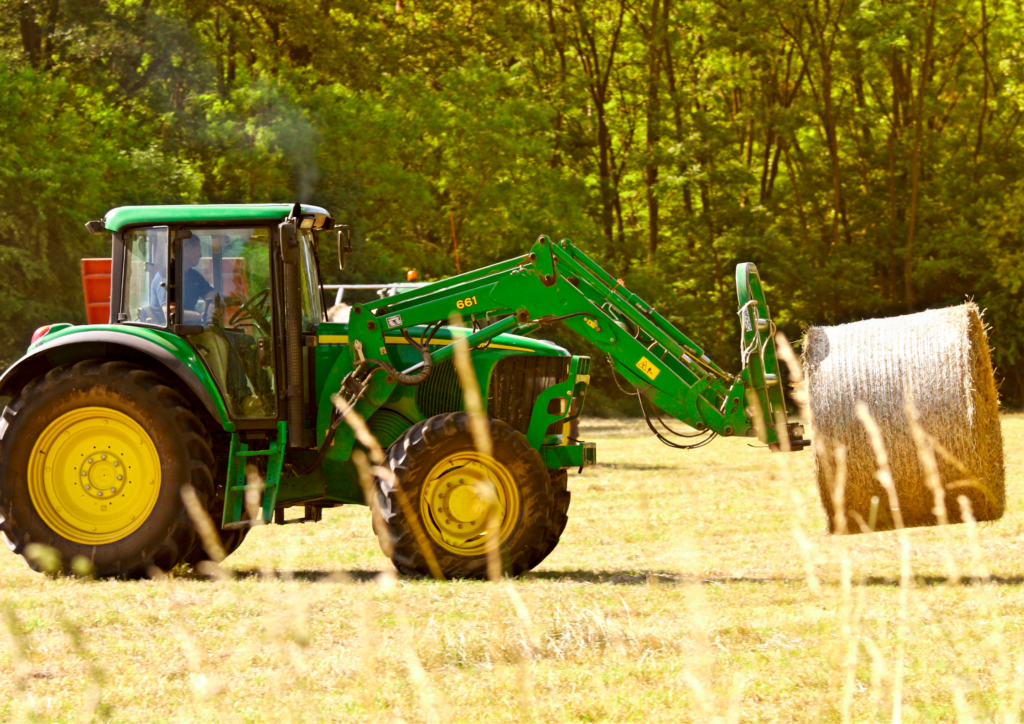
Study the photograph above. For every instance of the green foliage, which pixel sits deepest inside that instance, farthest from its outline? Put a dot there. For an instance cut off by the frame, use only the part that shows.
(867, 156)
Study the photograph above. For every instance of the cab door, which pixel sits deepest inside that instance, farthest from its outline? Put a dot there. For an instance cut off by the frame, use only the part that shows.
(225, 289)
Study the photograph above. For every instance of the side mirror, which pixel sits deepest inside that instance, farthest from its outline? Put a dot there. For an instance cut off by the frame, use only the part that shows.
(344, 243)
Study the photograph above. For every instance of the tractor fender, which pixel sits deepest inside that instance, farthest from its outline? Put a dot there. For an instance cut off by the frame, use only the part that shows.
(161, 351)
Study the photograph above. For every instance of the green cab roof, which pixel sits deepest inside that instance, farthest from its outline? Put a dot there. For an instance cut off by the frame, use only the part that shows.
(122, 216)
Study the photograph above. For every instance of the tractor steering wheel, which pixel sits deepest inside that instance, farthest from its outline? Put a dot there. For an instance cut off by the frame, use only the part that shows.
(253, 309)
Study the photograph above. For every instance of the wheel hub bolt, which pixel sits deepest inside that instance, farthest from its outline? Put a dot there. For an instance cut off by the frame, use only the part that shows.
(118, 477)
(113, 490)
(90, 459)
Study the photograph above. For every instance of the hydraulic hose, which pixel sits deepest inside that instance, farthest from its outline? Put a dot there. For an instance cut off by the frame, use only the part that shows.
(401, 377)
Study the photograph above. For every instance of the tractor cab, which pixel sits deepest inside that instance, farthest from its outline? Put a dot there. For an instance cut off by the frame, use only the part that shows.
(245, 295)
(217, 281)
(214, 286)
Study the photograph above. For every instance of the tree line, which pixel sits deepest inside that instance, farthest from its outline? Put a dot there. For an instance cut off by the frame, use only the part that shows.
(868, 156)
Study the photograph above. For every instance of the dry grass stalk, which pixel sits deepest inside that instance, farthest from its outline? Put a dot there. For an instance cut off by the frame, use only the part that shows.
(92, 701)
(964, 714)
(926, 456)
(698, 669)
(980, 572)
(839, 491)
(471, 391)
(366, 474)
(884, 476)
(850, 640)
(362, 432)
(796, 375)
(204, 685)
(203, 523)
(524, 653)
(493, 542)
(798, 518)
(850, 614)
(940, 360)
(21, 653)
(1011, 677)
(479, 427)
(735, 700)
(879, 670)
(432, 706)
(420, 535)
(370, 442)
(902, 629)
(369, 645)
(255, 484)
(883, 473)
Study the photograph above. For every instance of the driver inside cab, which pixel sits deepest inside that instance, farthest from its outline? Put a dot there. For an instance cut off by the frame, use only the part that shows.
(194, 286)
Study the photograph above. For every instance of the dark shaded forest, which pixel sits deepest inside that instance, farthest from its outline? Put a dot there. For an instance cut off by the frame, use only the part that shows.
(869, 156)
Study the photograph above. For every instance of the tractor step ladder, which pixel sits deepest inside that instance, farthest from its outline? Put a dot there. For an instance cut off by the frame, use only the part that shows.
(236, 484)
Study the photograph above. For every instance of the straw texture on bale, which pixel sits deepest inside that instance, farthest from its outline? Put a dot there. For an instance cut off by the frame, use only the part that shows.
(940, 361)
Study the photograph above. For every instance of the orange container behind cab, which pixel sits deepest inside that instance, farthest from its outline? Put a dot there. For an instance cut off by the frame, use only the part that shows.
(96, 287)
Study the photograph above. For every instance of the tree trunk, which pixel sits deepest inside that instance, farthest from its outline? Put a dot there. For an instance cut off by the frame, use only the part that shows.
(31, 34)
(653, 128)
(915, 160)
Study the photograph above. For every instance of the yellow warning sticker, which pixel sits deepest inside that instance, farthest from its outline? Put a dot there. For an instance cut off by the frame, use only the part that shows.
(647, 367)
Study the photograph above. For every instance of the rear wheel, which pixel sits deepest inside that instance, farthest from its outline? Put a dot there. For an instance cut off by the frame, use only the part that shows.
(446, 502)
(93, 457)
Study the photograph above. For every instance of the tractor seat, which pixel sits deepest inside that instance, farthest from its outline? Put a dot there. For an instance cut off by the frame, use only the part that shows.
(150, 315)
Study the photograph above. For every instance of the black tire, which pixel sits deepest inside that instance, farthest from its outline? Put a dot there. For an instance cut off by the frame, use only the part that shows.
(230, 540)
(178, 435)
(560, 499)
(413, 456)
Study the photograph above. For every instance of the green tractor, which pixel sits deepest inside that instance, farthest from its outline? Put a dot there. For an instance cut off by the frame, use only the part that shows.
(219, 371)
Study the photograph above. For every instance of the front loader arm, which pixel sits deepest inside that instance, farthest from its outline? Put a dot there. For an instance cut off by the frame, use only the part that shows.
(561, 283)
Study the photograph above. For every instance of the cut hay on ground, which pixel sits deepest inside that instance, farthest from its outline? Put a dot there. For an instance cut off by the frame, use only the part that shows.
(939, 361)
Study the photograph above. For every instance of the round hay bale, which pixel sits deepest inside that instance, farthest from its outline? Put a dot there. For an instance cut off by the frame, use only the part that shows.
(938, 361)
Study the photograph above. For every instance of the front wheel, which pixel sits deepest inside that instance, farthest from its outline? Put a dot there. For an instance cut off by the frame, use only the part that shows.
(93, 457)
(445, 502)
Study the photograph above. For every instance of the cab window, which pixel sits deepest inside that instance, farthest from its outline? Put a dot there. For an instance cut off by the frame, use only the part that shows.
(225, 286)
(144, 291)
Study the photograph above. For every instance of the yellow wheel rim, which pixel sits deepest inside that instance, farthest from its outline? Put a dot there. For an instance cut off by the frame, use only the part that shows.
(94, 475)
(467, 499)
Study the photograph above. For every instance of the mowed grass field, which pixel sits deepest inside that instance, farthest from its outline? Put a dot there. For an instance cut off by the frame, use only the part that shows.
(689, 586)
